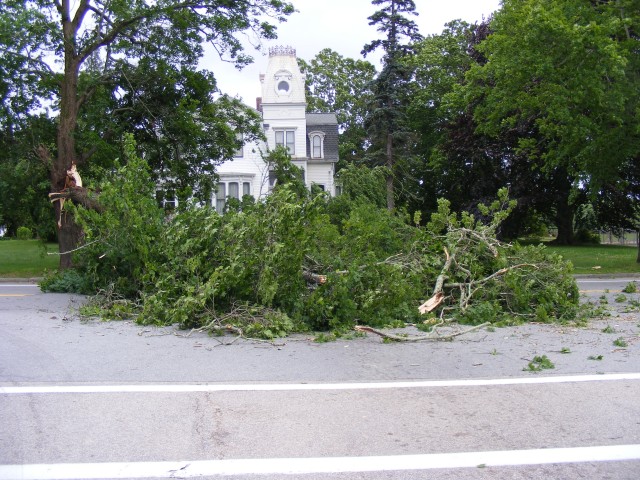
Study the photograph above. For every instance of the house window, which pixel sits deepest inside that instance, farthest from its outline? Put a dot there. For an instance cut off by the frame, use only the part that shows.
(286, 138)
(283, 86)
(317, 147)
(317, 144)
(221, 197)
(240, 151)
(232, 186)
(233, 190)
(167, 200)
(273, 180)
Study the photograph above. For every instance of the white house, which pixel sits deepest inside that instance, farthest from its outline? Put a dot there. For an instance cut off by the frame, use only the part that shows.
(312, 138)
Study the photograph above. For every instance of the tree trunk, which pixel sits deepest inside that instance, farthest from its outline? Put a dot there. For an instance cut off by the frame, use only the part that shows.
(68, 232)
(68, 238)
(391, 202)
(564, 220)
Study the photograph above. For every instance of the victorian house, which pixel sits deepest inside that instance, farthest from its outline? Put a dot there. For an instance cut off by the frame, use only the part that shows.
(311, 138)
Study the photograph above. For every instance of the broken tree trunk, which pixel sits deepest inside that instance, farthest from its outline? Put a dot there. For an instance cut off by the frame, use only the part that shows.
(438, 297)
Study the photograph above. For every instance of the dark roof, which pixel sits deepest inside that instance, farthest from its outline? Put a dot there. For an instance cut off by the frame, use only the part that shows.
(321, 119)
(326, 123)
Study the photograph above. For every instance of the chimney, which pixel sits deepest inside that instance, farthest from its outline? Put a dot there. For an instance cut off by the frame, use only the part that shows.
(259, 104)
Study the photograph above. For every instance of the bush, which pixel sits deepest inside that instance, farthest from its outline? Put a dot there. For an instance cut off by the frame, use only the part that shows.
(585, 236)
(24, 233)
(67, 281)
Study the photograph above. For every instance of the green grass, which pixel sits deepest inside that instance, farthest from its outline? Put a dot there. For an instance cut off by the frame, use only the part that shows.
(610, 258)
(26, 258)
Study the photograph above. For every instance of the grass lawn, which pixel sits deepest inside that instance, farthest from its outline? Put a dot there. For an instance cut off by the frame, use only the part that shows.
(26, 258)
(610, 258)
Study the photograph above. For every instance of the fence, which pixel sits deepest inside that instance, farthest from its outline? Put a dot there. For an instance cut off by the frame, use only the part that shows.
(626, 237)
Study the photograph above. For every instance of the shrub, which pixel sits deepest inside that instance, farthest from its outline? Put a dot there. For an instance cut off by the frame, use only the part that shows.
(24, 233)
(66, 281)
(587, 237)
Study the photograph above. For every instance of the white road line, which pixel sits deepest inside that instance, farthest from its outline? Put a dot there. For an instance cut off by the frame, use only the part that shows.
(188, 388)
(300, 466)
(19, 285)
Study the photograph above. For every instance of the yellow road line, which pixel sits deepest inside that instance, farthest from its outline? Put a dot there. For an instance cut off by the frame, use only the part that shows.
(16, 294)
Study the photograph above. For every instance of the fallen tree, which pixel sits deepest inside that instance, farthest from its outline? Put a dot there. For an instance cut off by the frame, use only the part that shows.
(296, 262)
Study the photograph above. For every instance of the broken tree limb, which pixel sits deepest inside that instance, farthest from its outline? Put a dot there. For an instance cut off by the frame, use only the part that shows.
(468, 289)
(502, 271)
(419, 338)
(314, 277)
(438, 297)
(80, 196)
(75, 249)
(432, 303)
(443, 273)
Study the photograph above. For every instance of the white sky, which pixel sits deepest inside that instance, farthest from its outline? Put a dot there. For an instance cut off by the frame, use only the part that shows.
(342, 26)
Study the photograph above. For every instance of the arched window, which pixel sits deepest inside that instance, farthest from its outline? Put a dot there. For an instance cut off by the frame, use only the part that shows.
(317, 144)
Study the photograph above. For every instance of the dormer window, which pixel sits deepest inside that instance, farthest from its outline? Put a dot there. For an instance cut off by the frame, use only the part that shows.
(317, 144)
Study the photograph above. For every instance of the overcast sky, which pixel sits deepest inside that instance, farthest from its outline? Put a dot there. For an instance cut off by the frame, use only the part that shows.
(341, 25)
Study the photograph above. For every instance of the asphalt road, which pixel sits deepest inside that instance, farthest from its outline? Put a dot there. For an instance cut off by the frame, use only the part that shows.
(116, 400)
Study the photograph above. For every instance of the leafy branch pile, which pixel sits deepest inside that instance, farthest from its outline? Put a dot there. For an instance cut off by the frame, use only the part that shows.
(295, 261)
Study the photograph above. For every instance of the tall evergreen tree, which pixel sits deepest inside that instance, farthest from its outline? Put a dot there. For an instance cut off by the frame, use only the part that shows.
(386, 122)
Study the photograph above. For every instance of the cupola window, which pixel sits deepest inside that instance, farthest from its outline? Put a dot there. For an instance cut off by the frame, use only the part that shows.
(283, 87)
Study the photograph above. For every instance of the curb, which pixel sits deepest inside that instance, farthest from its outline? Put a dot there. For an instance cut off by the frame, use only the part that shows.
(20, 280)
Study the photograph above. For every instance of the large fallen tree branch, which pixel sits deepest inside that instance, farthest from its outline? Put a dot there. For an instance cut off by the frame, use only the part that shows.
(468, 289)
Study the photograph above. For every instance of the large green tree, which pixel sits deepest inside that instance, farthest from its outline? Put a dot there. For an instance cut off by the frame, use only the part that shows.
(457, 161)
(386, 121)
(562, 77)
(62, 53)
(183, 131)
(342, 85)
(439, 64)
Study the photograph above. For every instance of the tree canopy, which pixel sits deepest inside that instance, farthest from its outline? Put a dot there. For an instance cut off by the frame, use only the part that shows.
(75, 60)
(342, 85)
(561, 78)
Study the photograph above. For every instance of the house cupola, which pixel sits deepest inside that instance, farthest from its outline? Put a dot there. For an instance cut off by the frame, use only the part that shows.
(283, 82)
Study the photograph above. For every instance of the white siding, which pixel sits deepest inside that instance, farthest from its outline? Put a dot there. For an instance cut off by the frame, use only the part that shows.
(321, 174)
